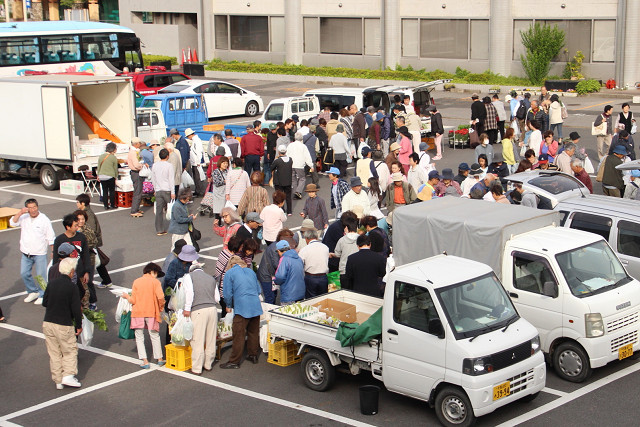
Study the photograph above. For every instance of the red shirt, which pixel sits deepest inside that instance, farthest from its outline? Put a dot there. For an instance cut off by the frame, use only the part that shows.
(251, 144)
(584, 177)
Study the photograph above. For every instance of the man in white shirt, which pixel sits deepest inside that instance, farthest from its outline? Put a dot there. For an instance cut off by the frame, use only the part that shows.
(315, 256)
(196, 159)
(425, 159)
(356, 197)
(215, 142)
(35, 235)
(300, 157)
(163, 179)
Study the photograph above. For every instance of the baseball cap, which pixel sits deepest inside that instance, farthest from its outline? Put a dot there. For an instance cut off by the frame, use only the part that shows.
(174, 131)
(66, 249)
(335, 171)
(282, 245)
(253, 216)
(463, 167)
(543, 158)
(250, 126)
(282, 149)
(434, 174)
(273, 126)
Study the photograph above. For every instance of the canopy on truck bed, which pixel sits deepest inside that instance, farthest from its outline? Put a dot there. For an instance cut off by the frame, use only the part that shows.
(473, 229)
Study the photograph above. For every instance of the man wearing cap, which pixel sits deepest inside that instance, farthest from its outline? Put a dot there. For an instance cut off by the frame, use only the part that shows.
(250, 228)
(612, 182)
(270, 152)
(64, 251)
(447, 186)
(475, 172)
(315, 208)
(578, 171)
(315, 257)
(394, 151)
(543, 163)
(339, 188)
(563, 160)
(400, 192)
(300, 158)
(182, 146)
(79, 242)
(356, 197)
(197, 159)
(290, 274)
(499, 168)
(252, 148)
(364, 167)
(463, 172)
(133, 161)
(478, 113)
(365, 269)
(623, 138)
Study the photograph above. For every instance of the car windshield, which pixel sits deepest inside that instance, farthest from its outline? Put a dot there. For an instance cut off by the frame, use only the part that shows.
(148, 103)
(592, 269)
(477, 306)
(173, 89)
(556, 183)
(274, 113)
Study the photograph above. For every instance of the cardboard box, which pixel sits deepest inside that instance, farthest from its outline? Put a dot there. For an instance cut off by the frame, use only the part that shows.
(339, 310)
(71, 187)
(213, 128)
(362, 317)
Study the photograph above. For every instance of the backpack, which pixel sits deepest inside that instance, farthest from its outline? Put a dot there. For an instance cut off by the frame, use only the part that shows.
(521, 112)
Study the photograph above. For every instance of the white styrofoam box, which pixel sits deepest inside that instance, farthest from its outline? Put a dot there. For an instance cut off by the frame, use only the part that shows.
(91, 149)
(124, 172)
(71, 187)
(122, 148)
(124, 185)
(636, 99)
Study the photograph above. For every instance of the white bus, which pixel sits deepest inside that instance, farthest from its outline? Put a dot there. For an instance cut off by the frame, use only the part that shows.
(67, 47)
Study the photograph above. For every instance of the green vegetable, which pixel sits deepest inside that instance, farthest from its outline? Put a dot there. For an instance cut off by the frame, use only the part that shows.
(97, 318)
(41, 282)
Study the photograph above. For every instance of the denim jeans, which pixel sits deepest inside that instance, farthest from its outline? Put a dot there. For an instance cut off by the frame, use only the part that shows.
(269, 294)
(26, 266)
(266, 170)
(251, 163)
(557, 130)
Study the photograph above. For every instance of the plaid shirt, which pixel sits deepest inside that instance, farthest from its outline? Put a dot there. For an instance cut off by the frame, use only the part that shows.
(316, 210)
(491, 121)
(343, 188)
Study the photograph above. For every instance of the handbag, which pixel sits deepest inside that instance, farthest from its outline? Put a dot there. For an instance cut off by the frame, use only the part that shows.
(125, 332)
(601, 169)
(564, 113)
(104, 259)
(329, 157)
(208, 198)
(474, 138)
(600, 130)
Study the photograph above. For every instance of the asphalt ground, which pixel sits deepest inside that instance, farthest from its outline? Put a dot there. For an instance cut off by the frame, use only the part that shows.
(113, 387)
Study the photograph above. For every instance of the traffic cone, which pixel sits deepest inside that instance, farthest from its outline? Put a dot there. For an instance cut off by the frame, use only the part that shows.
(189, 54)
(195, 55)
(183, 59)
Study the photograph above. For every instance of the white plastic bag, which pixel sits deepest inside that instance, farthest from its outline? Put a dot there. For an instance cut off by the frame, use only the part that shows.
(588, 166)
(97, 264)
(264, 337)
(169, 209)
(186, 181)
(230, 204)
(634, 128)
(145, 172)
(177, 332)
(187, 330)
(87, 331)
(179, 298)
(228, 319)
(124, 306)
(515, 127)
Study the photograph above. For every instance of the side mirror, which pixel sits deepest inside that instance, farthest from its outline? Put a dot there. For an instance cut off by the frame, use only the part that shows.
(550, 289)
(435, 328)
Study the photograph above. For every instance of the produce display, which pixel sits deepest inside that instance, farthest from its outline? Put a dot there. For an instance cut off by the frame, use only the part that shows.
(301, 311)
(224, 330)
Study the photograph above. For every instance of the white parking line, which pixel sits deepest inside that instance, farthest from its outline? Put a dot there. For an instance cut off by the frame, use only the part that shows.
(571, 396)
(215, 258)
(13, 295)
(16, 185)
(60, 220)
(73, 395)
(9, 424)
(38, 196)
(554, 391)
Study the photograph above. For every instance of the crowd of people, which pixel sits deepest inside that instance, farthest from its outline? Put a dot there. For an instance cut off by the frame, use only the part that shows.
(393, 168)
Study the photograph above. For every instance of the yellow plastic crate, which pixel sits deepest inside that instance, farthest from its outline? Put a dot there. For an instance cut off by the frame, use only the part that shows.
(4, 223)
(283, 353)
(178, 358)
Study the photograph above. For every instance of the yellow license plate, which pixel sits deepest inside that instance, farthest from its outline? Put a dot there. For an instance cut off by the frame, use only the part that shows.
(623, 352)
(502, 390)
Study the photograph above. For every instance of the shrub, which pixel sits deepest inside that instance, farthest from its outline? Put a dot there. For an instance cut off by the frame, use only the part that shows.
(148, 59)
(573, 69)
(542, 44)
(588, 86)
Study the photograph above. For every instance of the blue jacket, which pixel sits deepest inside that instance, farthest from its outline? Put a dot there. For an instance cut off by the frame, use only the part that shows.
(180, 218)
(241, 292)
(290, 277)
(183, 147)
(175, 271)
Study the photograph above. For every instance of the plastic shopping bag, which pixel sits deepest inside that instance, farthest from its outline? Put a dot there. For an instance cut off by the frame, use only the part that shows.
(87, 331)
(125, 332)
(186, 181)
(264, 337)
(124, 306)
(588, 166)
(230, 204)
(177, 332)
(178, 298)
(169, 209)
(515, 127)
(188, 329)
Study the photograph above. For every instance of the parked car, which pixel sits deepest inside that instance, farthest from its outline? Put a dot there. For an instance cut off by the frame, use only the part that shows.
(280, 109)
(551, 187)
(420, 93)
(613, 218)
(150, 81)
(222, 98)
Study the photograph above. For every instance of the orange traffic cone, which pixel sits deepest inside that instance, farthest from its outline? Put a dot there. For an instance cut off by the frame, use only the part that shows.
(195, 55)
(183, 59)
(189, 54)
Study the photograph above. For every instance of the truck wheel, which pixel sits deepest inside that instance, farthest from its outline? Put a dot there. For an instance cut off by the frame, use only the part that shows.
(252, 109)
(530, 397)
(453, 408)
(317, 371)
(571, 362)
(49, 178)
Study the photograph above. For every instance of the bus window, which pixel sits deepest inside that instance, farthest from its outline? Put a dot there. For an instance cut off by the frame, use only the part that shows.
(19, 50)
(60, 48)
(100, 46)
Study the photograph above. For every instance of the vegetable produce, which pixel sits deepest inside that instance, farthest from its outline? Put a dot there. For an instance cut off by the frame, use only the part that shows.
(97, 318)
(41, 282)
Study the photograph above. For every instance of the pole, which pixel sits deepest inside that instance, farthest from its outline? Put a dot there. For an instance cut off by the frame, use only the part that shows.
(24, 10)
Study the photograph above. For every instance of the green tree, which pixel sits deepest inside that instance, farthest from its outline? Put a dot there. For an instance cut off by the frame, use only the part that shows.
(542, 44)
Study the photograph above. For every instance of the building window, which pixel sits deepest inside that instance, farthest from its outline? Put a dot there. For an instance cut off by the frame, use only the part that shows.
(577, 37)
(479, 40)
(277, 33)
(604, 41)
(372, 36)
(444, 38)
(311, 33)
(410, 37)
(518, 47)
(249, 33)
(341, 36)
(222, 32)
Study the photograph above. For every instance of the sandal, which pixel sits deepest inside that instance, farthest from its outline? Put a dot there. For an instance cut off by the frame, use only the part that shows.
(137, 215)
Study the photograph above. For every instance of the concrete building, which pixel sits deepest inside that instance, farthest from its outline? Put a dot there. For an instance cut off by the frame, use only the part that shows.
(473, 34)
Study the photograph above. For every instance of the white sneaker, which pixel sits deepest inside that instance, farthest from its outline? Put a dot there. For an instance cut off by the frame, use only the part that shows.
(38, 301)
(70, 381)
(32, 297)
(59, 386)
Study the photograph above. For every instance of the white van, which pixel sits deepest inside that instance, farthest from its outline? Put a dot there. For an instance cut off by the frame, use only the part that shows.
(280, 109)
(419, 93)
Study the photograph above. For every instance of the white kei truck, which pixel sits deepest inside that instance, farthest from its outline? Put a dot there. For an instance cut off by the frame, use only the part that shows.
(568, 283)
(450, 337)
(55, 124)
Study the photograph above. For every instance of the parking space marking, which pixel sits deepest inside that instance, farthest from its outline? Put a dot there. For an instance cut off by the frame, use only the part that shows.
(60, 219)
(17, 185)
(73, 395)
(595, 105)
(267, 398)
(215, 258)
(555, 392)
(13, 295)
(571, 396)
(38, 195)
(9, 424)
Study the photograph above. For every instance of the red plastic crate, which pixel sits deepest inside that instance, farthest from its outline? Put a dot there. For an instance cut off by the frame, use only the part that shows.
(124, 200)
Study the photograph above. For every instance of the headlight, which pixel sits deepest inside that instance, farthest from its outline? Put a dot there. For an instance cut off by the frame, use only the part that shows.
(593, 324)
(477, 366)
(535, 344)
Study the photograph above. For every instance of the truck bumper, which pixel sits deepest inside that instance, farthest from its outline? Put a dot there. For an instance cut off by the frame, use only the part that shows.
(604, 349)
(525, 378)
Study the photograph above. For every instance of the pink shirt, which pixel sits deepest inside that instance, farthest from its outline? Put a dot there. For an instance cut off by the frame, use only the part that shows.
(273, 217)
(405, 150)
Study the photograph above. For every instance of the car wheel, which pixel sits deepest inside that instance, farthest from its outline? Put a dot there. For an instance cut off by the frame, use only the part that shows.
(571, 362)
(453, 408)
(317, 371)
(252, 109)
(49, 178)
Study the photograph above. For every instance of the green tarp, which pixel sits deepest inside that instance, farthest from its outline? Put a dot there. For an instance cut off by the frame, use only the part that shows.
(351, 334)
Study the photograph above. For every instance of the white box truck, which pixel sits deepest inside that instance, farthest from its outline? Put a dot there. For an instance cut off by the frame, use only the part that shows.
(568, 283)
(450, 337)
(50, 123)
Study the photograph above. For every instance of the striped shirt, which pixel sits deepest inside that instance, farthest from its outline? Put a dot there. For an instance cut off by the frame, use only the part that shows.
(254, 199)
(237, 182)
(347, 122)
